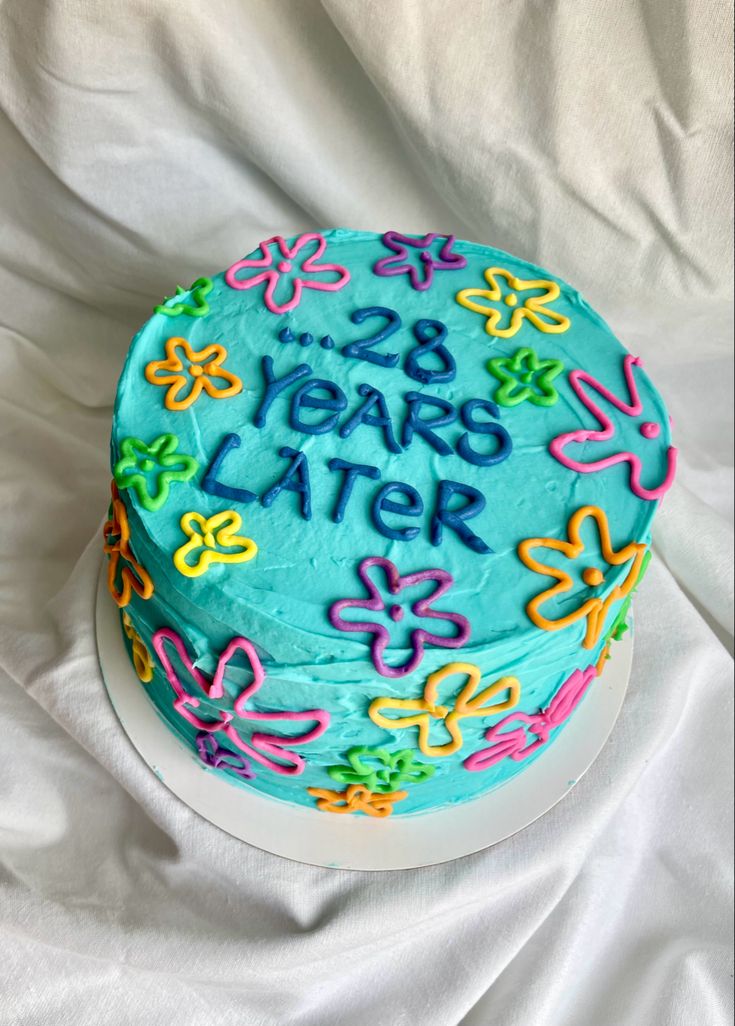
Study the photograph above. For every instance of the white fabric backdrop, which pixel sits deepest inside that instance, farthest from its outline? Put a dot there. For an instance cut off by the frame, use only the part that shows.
(145, 142)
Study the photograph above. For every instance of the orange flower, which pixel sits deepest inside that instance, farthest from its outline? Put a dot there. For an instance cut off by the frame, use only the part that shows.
(117, 547)
(602, 661)
(356, 799)
(595, 608)
(194, 370)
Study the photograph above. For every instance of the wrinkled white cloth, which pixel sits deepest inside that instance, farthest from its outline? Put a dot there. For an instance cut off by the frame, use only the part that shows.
(144, 143)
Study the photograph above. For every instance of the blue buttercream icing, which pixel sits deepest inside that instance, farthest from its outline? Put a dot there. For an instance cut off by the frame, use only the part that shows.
(392, 380)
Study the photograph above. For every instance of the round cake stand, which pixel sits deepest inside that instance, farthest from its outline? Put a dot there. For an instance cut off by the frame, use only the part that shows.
(359, 842)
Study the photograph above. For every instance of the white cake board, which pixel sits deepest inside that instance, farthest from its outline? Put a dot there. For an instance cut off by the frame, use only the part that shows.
(359, 842)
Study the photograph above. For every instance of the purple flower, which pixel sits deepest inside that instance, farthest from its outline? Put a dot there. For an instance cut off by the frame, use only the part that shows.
(212, 754)
(422, 276)
(420, 608)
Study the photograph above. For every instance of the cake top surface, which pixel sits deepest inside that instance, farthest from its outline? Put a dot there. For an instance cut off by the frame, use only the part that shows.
(373, 408)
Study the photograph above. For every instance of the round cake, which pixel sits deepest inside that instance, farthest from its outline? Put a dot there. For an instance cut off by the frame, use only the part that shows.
(379, 507)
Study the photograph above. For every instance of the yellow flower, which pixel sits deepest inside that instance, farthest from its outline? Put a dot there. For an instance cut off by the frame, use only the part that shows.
(534, 308)
(466, 703)
(212, 536)
(141, 656)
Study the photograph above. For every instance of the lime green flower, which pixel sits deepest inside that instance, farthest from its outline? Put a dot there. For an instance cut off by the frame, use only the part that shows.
(150, 469)
(524, 377)
(198, 306)
(392, 769)
(620, 625)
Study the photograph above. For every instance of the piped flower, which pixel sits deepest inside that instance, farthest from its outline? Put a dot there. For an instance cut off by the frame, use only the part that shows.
(524, 376)
(141, 656)
(504, 288)
(189, 372)
(420, 637)
(533, 730)
(584, 385)
(214, 540)
(379, 770)
(121, 560)
(223, 715)
(139, 463)
(356, 799)
(198, 307)
(468, 702)
(619, 626)
(595, 608)
(212, 754)
(276, 266)
(421, 275)
(620, 623)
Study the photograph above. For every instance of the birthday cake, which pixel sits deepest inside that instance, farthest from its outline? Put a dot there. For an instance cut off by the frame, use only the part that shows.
(379, 507)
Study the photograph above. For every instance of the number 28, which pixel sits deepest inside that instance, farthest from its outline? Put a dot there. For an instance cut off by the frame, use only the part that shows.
(430, 337)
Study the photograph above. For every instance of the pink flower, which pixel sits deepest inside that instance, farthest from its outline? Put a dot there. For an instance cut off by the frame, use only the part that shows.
(420, 608)
(517, 744)
(276, 265)
(261, 747)
(585, 387)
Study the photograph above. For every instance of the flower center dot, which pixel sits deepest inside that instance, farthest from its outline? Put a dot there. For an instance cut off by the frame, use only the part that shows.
(650, 429)
(511, 300)
(284, 267)
(147, 465)
(593, 577)
(396, 613)
(196, 371)
(426, 257)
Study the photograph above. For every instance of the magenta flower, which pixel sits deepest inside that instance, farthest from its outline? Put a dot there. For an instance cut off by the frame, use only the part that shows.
(278, 266)
(226, 716)
(517, 744)
(420, 608)
(585, 386)
(422, 276)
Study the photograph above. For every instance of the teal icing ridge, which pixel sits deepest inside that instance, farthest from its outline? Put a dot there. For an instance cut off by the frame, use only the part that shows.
(280, 599)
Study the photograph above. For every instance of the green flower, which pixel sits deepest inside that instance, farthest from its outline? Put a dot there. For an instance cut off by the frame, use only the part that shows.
(620, 624)
(199, 306)
(158, 462)
(392, 769)
(523, 376)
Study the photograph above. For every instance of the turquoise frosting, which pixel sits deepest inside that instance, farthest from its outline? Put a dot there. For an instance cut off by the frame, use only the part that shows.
(280, 599)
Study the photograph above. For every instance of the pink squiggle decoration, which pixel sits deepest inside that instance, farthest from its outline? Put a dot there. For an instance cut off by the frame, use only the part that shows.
(515, 744)
(422, 607)
(270, 274)
(263, 746)
(579, 378)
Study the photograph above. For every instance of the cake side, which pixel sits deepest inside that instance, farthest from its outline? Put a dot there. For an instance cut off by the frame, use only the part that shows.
(553, 442)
